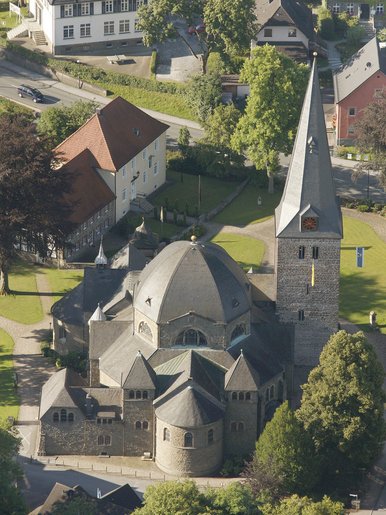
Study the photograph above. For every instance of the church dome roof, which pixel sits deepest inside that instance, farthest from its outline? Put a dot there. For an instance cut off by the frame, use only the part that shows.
(190, 277)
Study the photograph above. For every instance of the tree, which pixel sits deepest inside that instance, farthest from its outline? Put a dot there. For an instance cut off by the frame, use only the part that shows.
(183, 140)
(235, 499)
(203, 95)
(342, 405)
(230, 25)
(30, 192)
(296, 505)
(287, 451)
(77, 505)
(268, 127)
(11, 499)
(58, 123)
(370, 136)
(221, 124)
(173, 497)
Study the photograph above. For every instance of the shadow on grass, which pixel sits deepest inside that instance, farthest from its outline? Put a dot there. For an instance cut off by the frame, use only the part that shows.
(41, 294)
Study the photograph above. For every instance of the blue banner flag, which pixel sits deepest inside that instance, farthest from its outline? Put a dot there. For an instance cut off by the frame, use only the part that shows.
(360, 257)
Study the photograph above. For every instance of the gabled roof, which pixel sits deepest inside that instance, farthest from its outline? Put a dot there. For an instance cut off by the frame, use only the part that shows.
(129, 257)
(370, 59)
(56, 392)
(285, 12)
(123, 496)
(242, 376)
(309, 184)
(114, 135)
(141, 375)
(189, 407)
(89, 192)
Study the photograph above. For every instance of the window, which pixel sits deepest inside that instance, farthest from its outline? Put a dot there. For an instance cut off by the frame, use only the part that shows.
(71, 417)
(124, 5)
(234, 396)
(131, 394)
(138, 425)
(85, 9)
(144, 177)
(166, 435)
(108, 28)
(144, 329)
(123, 171)
(351, 129)
(109, 6)
(301, 252)
(352, 111)
(191, 337)
(379, 8)
(144, 153)
(301, 315)
(107, 440)
(239, 330)
(137, 27)
(156, 144)
(188, 440)
(241, 396)
(155, 169)
(68, 10)
(101, 440)
(237, 426)
(145, 394)
(133, 163)
(267, 33)
(336, 8)
(378, 93)
(248, 396)
(350, 8)
(85, 30)
(145, 425)
(210, 436)
(124, 194)
(315, 252)
(150, 161)
(292, 33)
(68, 33)
(272, 392)
(63, 415)
(138, 394)
(240, 426)
(124, 26)
(55, 417)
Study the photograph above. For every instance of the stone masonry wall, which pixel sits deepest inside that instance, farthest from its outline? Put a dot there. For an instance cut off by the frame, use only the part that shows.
(241, 443)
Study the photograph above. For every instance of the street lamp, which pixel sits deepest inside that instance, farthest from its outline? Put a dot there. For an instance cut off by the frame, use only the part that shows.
(79, 85)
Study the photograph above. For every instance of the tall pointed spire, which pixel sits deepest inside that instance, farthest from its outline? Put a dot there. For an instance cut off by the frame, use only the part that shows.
(101, 259)
(309, 205)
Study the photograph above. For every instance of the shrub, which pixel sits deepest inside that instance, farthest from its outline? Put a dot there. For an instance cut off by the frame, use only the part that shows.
(326, 26)
(381, 35)
(363, 208)
(215, 64)
(153, 63)
(233, 466)
(325, 78)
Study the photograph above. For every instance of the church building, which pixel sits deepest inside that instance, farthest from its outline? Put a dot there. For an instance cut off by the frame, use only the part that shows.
(188, 356)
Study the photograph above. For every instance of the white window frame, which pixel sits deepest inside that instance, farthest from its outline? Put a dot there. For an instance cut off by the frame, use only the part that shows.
(85, 28)
(292, 32)
(379, 8)
(156, 144)
(144, 177)
(336, 8)
(109, 6)
(144, 153)
(265, 33)
(124, 6)
(350, 8)
(85, 9)
(68, 32)
(68, 10)
(124, 26)
(124, 171)
(108, 28)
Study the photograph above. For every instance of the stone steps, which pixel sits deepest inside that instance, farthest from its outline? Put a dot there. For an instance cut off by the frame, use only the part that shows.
(39, 37)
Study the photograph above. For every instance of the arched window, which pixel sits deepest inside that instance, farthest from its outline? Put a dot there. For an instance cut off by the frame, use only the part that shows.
(71, 417)
(145, 424)
(234, 396)
(138, 394)
(210, 436)
(55, 417)
(233, 427)
(138, 425)
(131, 394)
(166, 435)
(101, 440)
(144, 329)
(144, 394)
(240, 426)
(241, 396)
(248, 396)
(107, 440)
(239, 330)
(188, 440)
(272, 392)
(63, 415)
(191, 337)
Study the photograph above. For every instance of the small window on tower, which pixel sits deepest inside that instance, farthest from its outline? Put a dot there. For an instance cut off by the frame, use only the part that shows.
(301, 252)
(301, 315)
(315, 252)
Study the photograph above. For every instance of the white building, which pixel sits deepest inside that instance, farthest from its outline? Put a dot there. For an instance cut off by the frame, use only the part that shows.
(81, 26)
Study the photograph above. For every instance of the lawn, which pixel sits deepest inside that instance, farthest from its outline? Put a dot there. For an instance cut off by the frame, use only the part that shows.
(243, 249)
(7, 106)
(61, 281)
(362, 289)
(9, 400)
(181, 194)
(244, 209)
(23, 304)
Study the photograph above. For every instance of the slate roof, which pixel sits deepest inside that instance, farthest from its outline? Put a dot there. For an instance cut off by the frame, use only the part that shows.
(370, 59)
(242, 376)
(123, 496)
(129, 257)
(285, 12)
(192, 278)
(114, 135)
(189, 407)
(141, 375)
(89, 192)
(309, 188)
(144, 238)
(56, 392)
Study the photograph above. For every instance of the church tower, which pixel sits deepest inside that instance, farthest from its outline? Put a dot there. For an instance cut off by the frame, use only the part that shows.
(308, 226)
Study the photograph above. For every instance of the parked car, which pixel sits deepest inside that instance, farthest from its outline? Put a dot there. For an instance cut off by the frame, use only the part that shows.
(196, 29)
(29, 91)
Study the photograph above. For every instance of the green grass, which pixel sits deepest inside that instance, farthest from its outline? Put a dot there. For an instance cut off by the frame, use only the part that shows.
(23, 304)
(244, 209)
(362, 289)
(213, 191)
(7, 21)
(167, 103)
(245, 250)
(9, 400)
(7, 106)
(61, 281)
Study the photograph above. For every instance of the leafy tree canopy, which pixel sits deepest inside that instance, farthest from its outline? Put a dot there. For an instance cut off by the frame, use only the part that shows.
(58, 123)
(77, 505)
(342, 405)
(221, 124)
(203, 95)
(296, 505)
(30, 192)
(235, 499)
(268, 126)
(287, 451)
(11, 499)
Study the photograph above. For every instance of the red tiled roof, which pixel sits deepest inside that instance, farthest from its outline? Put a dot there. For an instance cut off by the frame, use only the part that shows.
(89, 192)
(114, 135)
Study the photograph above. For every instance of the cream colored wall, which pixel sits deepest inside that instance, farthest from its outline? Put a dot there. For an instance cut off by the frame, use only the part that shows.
(281, 34)
(152, 182)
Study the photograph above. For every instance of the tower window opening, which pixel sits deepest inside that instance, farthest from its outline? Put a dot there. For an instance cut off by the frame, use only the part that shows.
(301, 315)
(188, 440)
(301, 252)
(315, 252)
